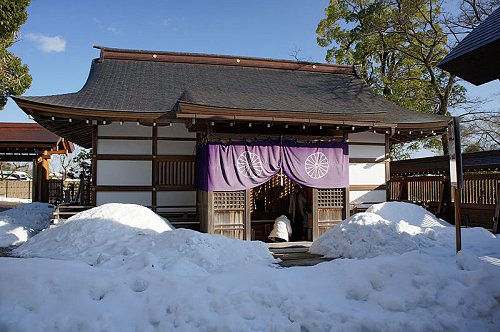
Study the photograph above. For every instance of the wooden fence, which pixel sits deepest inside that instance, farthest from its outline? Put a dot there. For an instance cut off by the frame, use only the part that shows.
(479, 197)
(57, 192)
(15, 189)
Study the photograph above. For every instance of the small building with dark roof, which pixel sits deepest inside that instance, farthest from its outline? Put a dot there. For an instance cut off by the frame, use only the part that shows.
(475, 58)
(148, 115)
(25, 142)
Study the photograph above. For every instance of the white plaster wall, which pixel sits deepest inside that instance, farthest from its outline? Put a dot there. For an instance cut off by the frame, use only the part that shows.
(176, 148)
(127, 129)
(124, 172)
(176, 198)
(175, 130)
(140, 197)
(366, 151)
(367, 173)
(359, 197)
(367, 137)
(106, 146)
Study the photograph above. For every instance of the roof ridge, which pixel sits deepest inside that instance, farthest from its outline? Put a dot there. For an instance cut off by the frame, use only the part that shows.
(222, 60)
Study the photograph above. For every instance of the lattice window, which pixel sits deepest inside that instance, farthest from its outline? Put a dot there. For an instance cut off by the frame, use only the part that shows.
(330, 198)
(229, 200)
(176, 172)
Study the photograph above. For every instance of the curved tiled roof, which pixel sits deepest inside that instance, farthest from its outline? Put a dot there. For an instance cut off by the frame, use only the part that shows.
(155, 83)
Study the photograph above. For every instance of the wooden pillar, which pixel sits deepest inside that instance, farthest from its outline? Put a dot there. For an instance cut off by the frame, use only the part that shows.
(34, 181)
(154, 169)
(41, 180)
(497, 210)
(248, 218)
(458, 218)
(94, 165)
(315, 214)
(347, 205)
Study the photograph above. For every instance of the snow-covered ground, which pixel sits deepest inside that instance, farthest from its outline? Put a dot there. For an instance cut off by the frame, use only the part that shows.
(17, 225)
(14, 200)
(122, 268)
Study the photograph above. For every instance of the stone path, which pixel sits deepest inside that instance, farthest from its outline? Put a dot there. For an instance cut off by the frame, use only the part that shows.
(295, 254)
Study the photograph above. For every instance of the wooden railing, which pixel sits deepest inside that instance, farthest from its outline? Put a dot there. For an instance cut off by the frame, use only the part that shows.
(480, 189)
(479, 196)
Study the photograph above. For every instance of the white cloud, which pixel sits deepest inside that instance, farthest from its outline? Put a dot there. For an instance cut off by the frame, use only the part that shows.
(48, 43)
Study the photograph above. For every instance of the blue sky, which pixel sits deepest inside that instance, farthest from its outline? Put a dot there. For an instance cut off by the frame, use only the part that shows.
(58, 36)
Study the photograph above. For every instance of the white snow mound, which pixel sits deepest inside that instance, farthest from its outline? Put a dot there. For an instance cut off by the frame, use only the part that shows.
(89, 233)
(17, 225)
(412, 214)
(363, 235)
(133, 237)
(386, 228)
(132, 215)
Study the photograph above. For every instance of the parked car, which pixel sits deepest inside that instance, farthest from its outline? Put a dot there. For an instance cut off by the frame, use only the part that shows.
(20, 176)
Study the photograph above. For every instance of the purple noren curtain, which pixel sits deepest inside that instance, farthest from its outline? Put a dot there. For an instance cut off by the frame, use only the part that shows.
(317, 165)
(243, 165)
(236, 165)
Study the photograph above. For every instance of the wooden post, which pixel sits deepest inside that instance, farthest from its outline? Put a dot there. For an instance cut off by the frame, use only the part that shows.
(248, 221)
(440, 208)
(458, 229)
(456, 175)
(154, 169)
(94, 165)
(497, 210)
(210, 212)
(315, 213)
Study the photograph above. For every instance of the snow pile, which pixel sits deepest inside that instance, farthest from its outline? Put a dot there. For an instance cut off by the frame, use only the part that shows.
(102, 230)
(392, 228)
(408, 292)
(142, 279)
(412, 218)
(132, 236)
(17, 225)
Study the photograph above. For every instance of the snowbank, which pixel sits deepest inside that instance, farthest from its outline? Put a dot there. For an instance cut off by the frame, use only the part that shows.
(17, 225)
(394, 228)
(133, 236)
(408, 292)
(102, 230)
(144, 280)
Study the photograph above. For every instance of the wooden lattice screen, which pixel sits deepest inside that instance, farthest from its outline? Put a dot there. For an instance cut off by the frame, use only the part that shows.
(330, 206)
(176, 173)
(56, 191)
(229, 213)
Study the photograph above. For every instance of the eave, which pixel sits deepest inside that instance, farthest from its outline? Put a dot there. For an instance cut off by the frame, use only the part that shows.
(75, 124)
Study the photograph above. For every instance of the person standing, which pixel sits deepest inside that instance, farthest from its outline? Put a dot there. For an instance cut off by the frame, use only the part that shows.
(297, 212)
